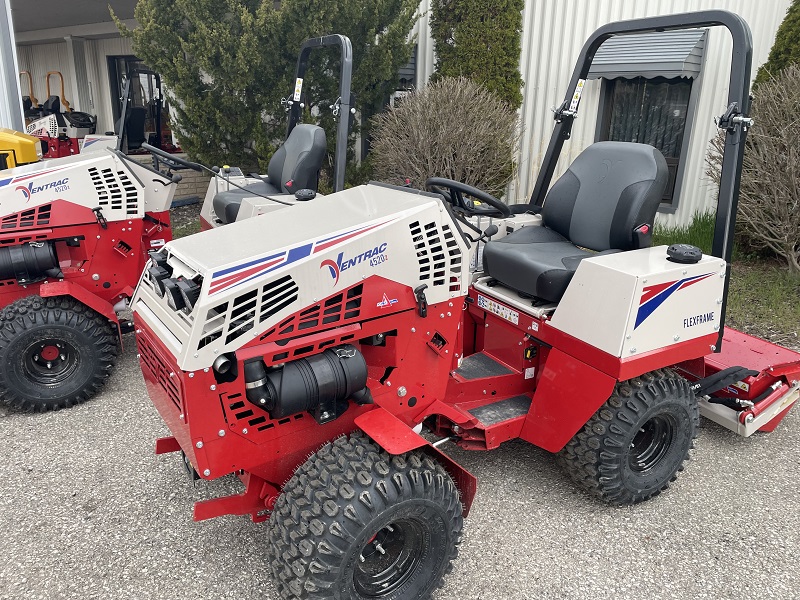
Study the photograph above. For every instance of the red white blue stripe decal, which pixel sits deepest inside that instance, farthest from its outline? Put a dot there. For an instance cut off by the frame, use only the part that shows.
(654, 296)
(5, 182)
(231, 277)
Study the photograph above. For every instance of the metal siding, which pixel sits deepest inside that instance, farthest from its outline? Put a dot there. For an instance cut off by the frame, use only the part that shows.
(580, 19)
(97, 53)
(41, 58)
(553, 33)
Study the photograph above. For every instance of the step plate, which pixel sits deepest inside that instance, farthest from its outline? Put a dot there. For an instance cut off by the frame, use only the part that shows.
(505, 410)
(480, 365)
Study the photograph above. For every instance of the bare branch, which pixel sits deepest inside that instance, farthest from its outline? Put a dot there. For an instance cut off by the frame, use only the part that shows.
(452, 128)
(769, 198)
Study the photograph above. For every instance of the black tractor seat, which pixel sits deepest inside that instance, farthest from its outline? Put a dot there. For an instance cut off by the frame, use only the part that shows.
(294, 166)
(606, 202)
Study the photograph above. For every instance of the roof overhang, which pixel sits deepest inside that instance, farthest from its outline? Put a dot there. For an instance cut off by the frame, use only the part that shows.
(667, 54)
(51, 20)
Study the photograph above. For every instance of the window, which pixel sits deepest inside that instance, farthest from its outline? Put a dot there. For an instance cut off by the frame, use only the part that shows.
(649, 111)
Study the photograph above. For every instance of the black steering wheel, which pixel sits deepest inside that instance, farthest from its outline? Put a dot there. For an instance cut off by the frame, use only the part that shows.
(454, 194)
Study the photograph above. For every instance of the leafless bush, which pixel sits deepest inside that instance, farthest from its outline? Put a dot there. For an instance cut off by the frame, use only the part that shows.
(769, 200)
(452, 128)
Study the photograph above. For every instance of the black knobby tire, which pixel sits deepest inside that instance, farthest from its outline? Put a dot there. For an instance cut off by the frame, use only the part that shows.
(638, 441)
(55, 353)
(354, 522)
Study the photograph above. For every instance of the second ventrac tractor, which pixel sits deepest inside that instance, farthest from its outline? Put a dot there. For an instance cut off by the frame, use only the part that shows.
(325, 353)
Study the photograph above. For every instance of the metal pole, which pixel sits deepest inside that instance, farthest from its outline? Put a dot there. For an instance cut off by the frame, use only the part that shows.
(10, 95)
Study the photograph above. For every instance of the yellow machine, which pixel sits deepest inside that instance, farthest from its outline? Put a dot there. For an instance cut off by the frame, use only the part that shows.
(17, 148)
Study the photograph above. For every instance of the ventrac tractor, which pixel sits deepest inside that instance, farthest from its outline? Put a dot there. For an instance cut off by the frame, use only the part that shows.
(74, 237)
(326, 352)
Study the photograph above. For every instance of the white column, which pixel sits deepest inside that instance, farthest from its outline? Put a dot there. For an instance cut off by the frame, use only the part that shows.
(78, 74)
(10, 96)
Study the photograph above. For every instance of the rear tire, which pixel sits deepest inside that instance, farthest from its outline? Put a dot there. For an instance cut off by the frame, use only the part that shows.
(55, 353)
(639, 440)
(356, 523)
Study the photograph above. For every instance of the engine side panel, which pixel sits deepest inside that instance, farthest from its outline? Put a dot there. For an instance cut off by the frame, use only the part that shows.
(248, 289)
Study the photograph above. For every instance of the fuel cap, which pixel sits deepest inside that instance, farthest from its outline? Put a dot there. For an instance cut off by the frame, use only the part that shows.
(685, 254)
(305, 194)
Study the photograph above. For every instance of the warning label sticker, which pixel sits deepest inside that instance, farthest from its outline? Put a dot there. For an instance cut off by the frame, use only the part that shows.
(498, 309)
(576, 97)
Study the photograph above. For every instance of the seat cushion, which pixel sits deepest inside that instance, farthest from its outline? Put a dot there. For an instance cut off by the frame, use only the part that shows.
(226, 204)
(534, 260)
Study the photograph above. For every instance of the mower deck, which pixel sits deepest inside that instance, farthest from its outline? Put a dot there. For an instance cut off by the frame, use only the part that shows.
(767, 397)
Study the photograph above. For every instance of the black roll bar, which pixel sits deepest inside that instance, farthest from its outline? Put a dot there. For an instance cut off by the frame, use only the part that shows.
(126, 98)
(734, 121)
(345, 102)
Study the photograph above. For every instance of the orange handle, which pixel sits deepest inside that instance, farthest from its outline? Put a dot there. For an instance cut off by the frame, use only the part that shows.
(34, 101)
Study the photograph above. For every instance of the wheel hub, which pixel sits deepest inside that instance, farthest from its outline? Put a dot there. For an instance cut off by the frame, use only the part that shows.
(49, 361)
(651, 443)
(389, 559)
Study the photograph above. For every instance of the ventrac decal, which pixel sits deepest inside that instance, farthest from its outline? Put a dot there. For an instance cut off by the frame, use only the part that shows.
(28, 189)
(654, 296)
(231, 277)
(62, 185)
(374, 256)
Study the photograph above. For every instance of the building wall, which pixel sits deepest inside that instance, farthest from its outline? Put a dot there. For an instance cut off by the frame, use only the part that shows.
(553, 33)
(41, 58)
(97, 53)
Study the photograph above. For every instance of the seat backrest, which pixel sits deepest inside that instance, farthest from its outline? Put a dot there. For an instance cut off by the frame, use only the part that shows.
(134, 126)
(52, 105)
(609, 191)
(298, 161)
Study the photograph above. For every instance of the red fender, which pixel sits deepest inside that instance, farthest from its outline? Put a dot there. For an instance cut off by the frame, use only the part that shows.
(82, 295)
(394, 436)
(568, 394)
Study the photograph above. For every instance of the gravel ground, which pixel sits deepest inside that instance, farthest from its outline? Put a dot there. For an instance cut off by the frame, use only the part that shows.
(88, 511)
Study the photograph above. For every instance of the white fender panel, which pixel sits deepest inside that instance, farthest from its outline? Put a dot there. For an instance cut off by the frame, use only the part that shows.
(633, 302)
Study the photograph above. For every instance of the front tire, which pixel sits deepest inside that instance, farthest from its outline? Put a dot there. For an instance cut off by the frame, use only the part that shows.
(356, 523)
(637, 442)
(55, 353)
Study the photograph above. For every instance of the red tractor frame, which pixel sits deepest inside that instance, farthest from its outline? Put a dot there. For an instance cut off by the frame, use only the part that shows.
(319, 413)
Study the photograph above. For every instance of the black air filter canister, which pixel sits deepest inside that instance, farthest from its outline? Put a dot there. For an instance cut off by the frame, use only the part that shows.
(29, 262)
(321, 383)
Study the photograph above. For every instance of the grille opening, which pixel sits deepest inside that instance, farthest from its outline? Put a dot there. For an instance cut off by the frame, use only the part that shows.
(253, 416)
(337, 308)
(115, 190)
(160, 372)
(233, 318)
(31, 217)
(438, 254)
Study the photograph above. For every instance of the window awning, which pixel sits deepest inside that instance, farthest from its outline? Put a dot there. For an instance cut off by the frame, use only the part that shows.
(665, 54)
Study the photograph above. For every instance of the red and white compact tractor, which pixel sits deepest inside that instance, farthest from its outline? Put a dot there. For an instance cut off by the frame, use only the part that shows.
(63, 133)
(325, 354)
(293, 172)
(74, 237)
